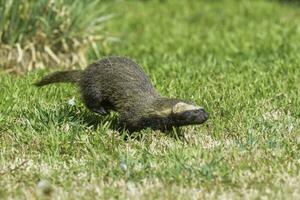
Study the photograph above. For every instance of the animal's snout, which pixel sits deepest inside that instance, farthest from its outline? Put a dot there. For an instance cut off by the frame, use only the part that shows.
(201, 114)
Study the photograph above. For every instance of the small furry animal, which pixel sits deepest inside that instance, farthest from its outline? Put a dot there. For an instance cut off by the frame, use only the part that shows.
(119, 84)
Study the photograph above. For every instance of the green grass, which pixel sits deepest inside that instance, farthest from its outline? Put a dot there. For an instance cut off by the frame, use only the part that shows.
(238, 59)
(36, 34)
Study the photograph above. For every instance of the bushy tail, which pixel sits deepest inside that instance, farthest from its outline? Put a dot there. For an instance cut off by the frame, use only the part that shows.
(72, 76)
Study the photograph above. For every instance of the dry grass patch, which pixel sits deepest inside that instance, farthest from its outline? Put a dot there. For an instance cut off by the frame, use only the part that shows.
(47, 33)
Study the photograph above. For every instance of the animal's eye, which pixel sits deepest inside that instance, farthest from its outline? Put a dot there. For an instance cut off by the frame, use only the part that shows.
(197, 111)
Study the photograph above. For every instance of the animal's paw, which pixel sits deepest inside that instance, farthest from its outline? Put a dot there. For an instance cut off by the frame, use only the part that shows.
(100, 111)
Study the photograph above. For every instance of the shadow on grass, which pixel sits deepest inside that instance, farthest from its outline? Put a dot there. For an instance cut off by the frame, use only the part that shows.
(92, 119)
(290, 2)
(176, 134)
(95, 121)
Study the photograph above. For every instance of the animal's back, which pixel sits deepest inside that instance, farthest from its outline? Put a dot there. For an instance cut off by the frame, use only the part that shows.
(116, 83)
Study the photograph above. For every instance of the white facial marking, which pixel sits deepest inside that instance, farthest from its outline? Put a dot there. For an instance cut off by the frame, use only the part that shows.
(181, 107)
(165, 112)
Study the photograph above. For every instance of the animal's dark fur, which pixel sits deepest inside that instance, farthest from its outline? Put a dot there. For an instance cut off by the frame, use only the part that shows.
(119, 84)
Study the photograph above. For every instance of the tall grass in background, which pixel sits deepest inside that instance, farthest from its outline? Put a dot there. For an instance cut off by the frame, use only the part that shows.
(36, 34)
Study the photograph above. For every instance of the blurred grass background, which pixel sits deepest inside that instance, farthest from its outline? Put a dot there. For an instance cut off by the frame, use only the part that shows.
(237, 58)
(36, 34)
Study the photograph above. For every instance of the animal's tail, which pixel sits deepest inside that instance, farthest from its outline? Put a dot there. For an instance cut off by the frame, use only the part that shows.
(72, 76)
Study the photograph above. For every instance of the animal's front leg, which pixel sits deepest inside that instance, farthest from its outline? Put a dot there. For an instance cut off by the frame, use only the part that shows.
(130, 124)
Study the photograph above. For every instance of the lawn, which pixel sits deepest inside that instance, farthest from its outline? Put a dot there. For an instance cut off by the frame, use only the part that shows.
(238, 59)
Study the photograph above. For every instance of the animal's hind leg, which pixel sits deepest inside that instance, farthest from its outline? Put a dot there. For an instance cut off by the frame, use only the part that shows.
(94, 103)
(96, 107)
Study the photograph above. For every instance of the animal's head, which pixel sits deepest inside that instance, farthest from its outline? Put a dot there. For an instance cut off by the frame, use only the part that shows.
(182, 113)
(187, 114)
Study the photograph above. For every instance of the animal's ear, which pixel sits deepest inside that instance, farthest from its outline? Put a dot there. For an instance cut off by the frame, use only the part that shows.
(182, 107)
